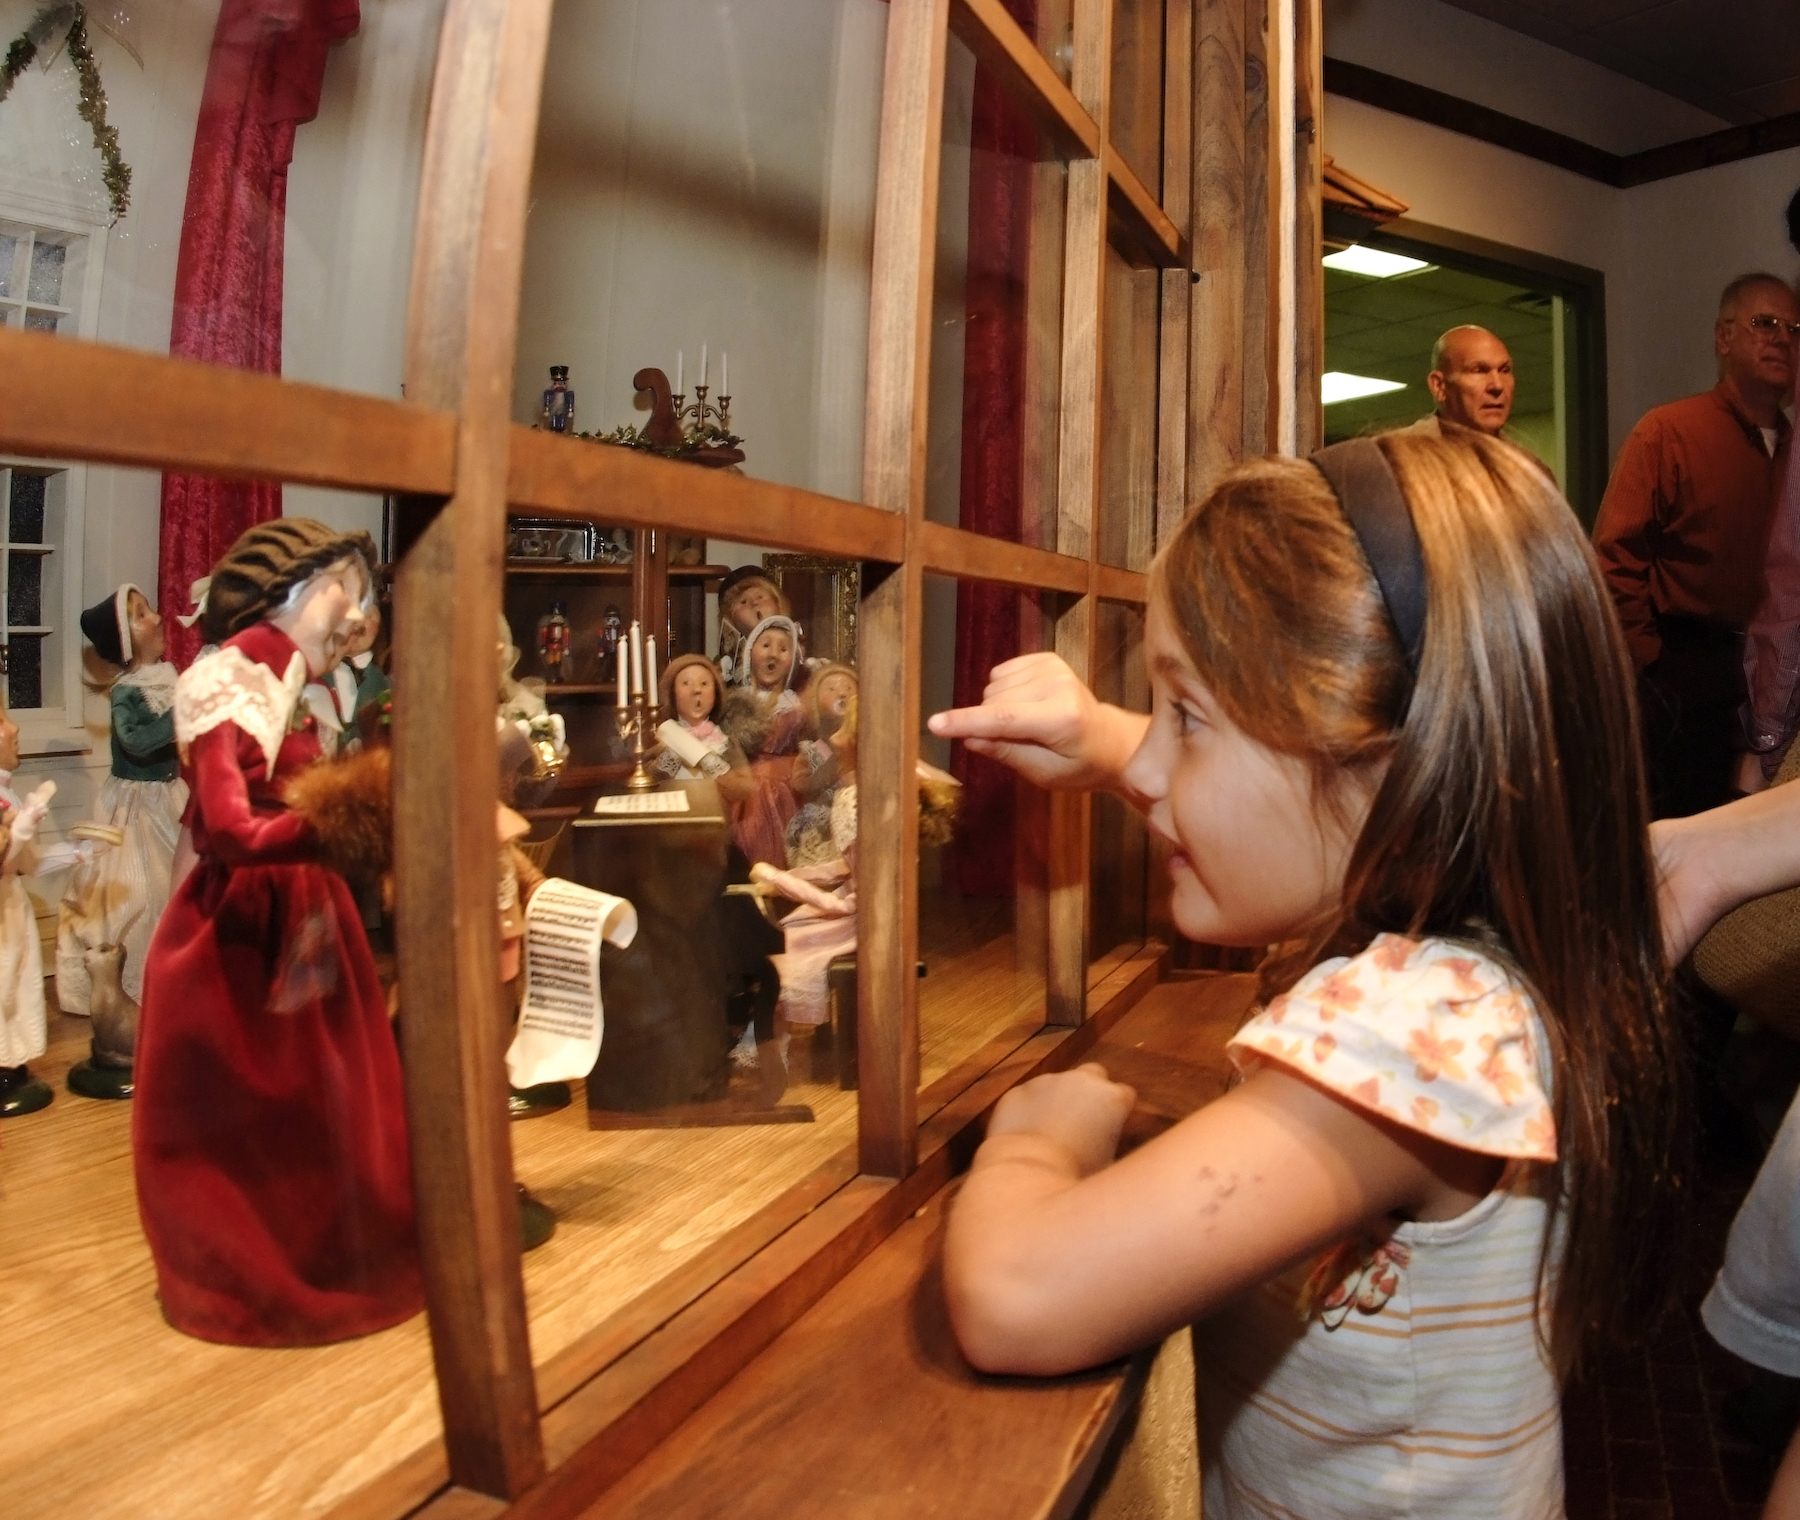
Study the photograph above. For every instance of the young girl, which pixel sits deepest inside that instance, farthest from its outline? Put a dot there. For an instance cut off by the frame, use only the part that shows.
(764, 715)
(125, 889)
(1449, 1162)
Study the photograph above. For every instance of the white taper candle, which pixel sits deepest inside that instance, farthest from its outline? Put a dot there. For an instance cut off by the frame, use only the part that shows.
(650, 669)
(637, 659)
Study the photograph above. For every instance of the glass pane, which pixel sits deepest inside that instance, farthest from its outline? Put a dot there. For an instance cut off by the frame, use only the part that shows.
(24, 591)
(725, 1073)
(301, 267)
(10, 243)
(1131, 328)
(702, 212)
(42, 321)
(1137, 87)
(982, 904)
(46, 272)
(1119, 902)
(24, 671)
(215, 1122)
(1051, 24)
(997, 315)
(25, 511)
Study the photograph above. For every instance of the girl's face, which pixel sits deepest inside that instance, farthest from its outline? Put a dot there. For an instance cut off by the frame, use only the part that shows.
(754, 601)
(1256, 857)
(9, 743)
(836, 692)
(771, 658)
(146, 630)
(327, 615)
(694, 693)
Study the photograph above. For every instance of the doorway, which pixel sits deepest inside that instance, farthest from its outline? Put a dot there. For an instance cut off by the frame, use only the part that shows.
(1381, 321)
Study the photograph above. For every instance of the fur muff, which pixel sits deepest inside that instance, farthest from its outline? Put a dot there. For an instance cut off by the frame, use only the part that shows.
(349, 804)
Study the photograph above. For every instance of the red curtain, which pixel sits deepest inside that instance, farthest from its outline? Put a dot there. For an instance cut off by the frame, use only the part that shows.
(1004, 146)
(262, 81)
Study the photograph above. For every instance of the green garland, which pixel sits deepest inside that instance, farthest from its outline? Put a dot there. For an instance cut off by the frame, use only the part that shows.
(92, 99)
(710, 436)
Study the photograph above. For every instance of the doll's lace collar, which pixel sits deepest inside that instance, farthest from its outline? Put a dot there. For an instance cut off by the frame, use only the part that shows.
(229, 687)
(156, 682)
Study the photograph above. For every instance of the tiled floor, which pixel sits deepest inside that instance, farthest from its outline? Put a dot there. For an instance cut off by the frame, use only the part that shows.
(1643, 1434)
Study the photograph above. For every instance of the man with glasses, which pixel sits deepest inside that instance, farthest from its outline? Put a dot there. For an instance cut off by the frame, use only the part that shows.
(1681, 538)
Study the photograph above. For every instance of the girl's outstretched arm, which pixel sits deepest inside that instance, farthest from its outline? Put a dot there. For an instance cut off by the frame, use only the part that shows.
(1055, 1260)
(1037, 716)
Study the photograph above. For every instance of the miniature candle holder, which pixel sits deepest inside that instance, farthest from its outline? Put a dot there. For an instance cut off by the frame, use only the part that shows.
(702, 415)
(637, 727)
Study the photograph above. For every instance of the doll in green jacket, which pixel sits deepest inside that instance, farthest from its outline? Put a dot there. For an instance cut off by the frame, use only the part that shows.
(118, 897)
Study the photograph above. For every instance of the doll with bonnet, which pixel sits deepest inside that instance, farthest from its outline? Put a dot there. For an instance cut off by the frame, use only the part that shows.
(274, 1175)
(765, 716)
(746, 596)
(119, 897)
(829, 697)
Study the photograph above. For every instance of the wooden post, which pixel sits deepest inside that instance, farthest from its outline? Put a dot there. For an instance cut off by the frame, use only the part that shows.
(1219, 339)
(1309, 214)
(906, 206)
(460, 337)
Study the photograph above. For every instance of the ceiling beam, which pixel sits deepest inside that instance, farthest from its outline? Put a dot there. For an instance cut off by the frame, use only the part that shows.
(1388, 92)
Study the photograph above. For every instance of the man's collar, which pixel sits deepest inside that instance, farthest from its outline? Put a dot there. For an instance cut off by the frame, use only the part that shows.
(1753, 431)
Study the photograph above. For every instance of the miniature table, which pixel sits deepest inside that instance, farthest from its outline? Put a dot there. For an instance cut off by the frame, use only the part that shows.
(664, 1055)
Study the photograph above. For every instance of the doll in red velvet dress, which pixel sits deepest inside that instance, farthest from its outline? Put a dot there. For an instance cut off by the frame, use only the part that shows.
(274, 1177)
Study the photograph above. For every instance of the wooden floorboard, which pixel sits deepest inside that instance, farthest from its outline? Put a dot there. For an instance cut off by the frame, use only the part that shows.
(124, 1417)
(863, 1405)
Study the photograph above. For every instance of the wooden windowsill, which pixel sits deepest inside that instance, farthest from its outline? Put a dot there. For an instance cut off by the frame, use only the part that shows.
(830, 1417)
(629, 1397)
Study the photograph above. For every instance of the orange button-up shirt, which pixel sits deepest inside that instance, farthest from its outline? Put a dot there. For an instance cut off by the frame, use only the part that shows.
(1685, 521)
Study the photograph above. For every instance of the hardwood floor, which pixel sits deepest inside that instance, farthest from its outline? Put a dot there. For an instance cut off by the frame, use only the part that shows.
(110, 1413)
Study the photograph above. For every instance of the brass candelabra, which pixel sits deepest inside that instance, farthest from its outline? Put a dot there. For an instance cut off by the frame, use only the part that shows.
(637, 727)
(702, 414)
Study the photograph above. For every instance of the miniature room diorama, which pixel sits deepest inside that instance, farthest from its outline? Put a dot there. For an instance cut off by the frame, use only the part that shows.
(502, 973)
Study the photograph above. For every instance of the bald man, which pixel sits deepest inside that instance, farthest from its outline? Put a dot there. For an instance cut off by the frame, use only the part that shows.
(1471, 380)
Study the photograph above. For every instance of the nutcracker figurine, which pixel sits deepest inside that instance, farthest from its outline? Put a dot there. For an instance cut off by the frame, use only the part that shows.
(559, 401)
(612, 629)
(555, 644)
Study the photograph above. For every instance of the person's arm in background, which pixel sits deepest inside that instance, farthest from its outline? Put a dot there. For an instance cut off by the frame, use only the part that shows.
(1624, 537)
(1772, 647)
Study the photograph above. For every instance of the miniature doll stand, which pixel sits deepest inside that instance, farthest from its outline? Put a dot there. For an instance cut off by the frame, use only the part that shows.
(21, 1093)
(100, 1076)
(664, 1057)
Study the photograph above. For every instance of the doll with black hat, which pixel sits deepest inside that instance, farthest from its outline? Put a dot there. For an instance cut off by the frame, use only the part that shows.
(274, 1170)
(746, 596)
(118, 898)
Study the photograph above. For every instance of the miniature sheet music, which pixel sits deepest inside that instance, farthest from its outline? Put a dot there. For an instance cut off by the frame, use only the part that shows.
(561, 1023)
(638, 804)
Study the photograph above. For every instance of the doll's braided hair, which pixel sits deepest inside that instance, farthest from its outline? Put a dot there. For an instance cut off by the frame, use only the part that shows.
(257, 572)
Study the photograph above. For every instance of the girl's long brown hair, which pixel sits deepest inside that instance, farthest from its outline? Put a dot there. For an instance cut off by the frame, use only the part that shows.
(1512, 810)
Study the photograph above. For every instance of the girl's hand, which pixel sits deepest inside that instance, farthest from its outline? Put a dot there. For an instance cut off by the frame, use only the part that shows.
(1082, 1111)
(1037, 717)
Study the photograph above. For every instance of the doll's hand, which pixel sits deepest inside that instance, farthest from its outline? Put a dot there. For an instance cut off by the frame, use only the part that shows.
(31, 813)
(1083, 1111)
(1038, 717)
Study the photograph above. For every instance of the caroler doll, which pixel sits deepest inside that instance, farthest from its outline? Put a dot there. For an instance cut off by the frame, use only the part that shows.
(690, 688)
(274, 1178)
(746, 596)
(120, 896)
(830, 697)
(766, 718)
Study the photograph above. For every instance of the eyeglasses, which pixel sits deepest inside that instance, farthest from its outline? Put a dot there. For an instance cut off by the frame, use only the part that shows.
(1767, 326)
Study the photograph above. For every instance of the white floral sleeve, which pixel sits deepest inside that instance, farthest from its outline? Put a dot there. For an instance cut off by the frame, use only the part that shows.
(1429, 1034)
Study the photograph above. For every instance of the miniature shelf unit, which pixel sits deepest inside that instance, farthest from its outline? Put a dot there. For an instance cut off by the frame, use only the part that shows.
(1170, 327)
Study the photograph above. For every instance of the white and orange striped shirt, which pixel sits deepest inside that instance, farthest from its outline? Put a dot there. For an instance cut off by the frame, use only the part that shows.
(1401, 1375)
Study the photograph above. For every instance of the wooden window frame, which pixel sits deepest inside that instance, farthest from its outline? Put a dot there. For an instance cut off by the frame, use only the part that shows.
(542, 1442)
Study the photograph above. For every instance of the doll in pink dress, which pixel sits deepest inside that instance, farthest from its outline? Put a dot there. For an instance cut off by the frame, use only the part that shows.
(765, 717)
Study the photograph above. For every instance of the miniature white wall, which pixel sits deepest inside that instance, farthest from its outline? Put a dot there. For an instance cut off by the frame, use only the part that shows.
(706, 174)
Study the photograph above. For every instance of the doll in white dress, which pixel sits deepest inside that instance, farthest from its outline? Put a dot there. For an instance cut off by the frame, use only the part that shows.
(119, 897)
(23, 1030)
